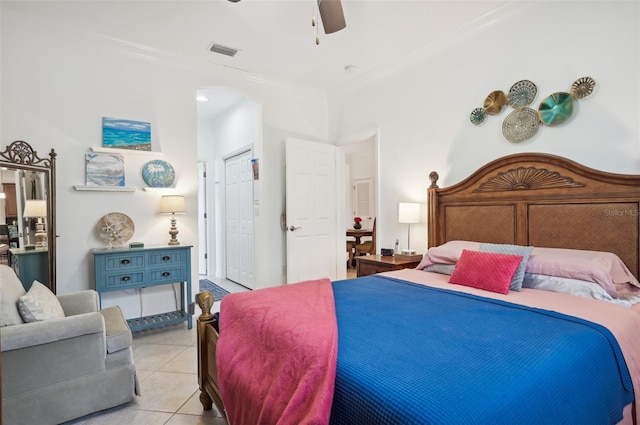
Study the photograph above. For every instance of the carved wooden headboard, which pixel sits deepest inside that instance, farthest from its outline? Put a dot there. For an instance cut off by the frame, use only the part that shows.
(540, 200)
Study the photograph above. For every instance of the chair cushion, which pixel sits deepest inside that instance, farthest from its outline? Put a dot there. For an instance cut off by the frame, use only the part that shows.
(118, 331)
(39, 304)
(11, 290)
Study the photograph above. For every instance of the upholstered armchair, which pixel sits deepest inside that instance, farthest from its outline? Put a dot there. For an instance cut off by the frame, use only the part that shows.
(70, 359)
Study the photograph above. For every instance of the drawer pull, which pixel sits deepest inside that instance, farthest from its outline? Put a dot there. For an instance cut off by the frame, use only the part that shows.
(125, 278)
(125, 261)
(166, 274)
(166, 258)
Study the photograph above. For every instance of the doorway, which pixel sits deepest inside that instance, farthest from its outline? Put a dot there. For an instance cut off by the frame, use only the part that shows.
(361, 186)
(238, 221)
(229, 123)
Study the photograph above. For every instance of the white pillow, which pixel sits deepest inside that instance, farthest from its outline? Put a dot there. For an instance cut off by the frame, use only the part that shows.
(39, 304)
(580, 288)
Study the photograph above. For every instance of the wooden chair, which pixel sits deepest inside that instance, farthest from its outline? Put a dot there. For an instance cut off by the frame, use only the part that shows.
(351, 248)
(368, 247)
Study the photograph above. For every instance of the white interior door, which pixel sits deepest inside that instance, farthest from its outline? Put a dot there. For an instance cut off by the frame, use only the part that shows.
(311, 210)
(363, 199)
(203, 240)
(239, 219)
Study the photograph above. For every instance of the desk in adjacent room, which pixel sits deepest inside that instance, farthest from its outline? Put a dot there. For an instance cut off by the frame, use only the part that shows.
(359, 233)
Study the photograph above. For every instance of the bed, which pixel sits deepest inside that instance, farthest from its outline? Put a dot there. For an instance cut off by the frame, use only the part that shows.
(410, 346)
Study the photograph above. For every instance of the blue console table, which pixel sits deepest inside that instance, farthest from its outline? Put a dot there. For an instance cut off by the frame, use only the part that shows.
(120, 269)
(30, 266)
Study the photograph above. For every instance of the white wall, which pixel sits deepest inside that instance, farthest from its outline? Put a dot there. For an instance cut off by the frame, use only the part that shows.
(423, 110)
(57, 85)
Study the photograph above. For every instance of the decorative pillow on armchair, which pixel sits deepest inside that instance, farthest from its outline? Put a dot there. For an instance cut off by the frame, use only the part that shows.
(39, 304)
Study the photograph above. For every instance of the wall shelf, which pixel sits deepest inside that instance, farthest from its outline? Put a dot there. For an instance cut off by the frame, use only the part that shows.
(158, 189)
(105, 188)
(99, 149)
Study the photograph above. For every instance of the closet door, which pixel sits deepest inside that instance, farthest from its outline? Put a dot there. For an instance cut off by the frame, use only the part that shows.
(239, 219)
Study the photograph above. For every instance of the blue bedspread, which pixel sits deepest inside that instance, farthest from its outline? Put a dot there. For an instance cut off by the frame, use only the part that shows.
(409, 354)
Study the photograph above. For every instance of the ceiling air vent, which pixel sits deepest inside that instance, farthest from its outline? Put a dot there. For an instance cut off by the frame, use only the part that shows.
(223, 50)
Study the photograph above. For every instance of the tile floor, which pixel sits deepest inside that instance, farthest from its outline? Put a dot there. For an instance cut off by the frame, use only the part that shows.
(351, 273)
(167, 367)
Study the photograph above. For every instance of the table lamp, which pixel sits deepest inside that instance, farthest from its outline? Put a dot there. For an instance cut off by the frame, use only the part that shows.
(36, 208)
(173, 204)
(408, 213)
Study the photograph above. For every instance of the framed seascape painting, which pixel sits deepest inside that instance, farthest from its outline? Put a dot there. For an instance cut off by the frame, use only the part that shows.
(126, 134)
(104, 169)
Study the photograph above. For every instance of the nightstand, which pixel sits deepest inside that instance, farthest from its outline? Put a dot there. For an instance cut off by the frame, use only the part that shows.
(371, 264)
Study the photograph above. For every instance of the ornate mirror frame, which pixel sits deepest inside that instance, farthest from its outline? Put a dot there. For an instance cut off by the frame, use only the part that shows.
(20, 155)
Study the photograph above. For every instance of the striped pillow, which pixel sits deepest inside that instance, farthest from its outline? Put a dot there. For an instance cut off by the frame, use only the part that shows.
(524, 251)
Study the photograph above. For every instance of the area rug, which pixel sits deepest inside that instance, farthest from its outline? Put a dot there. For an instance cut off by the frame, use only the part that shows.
(218, 292)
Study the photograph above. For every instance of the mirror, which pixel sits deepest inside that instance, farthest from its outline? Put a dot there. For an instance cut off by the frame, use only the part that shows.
(28, 219)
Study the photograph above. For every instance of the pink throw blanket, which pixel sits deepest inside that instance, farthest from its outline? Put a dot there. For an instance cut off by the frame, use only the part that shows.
(277, 353)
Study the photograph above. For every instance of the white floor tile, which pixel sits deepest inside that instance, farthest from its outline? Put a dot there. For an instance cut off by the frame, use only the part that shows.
(155, 356)
(124, 414)
(179, 419)
(185, 362)
(194, 407)
(167, 391)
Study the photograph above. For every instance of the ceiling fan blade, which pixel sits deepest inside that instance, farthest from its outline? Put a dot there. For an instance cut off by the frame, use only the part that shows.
(332, 15)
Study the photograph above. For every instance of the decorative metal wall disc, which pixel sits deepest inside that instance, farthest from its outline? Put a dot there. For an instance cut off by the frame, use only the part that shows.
(494, 102)
(556, 108)
(522, 93)
(582, 87)
(478, 116)
(520, 125)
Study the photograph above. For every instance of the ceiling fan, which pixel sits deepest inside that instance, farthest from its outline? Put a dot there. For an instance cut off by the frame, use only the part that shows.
(331, 15)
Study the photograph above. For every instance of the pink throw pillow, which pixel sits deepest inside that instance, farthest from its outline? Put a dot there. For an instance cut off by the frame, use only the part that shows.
(485, 270)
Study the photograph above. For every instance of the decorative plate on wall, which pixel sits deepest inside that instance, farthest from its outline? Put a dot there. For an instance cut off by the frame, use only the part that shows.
(556, 108)
(115, 229)
(495, 101)
(522, 93)
(158, 173)
(520, 125)
(478, 116)
(582, 87)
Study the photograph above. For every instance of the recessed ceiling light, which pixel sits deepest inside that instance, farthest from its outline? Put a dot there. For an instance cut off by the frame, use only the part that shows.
(350, 68)
(202, 98)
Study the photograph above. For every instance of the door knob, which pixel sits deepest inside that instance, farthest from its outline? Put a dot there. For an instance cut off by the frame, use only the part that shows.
(293, 228)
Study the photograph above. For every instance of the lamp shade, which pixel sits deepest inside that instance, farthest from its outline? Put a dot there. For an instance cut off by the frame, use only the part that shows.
(172, 204)
(408, 212)
(35, 208)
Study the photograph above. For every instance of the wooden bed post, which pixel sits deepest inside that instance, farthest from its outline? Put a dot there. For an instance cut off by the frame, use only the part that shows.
(205, 301)
(207, 342)
(432, 200)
